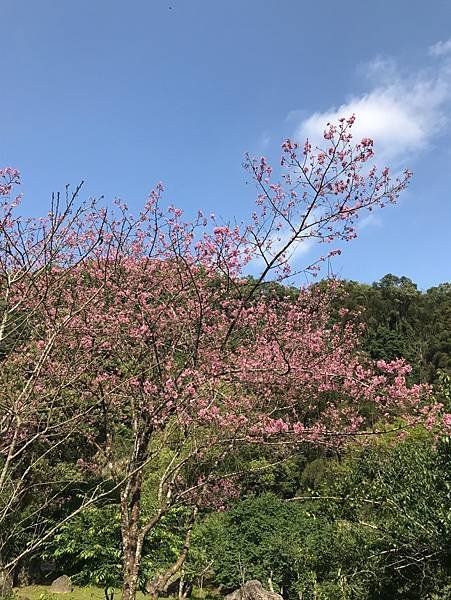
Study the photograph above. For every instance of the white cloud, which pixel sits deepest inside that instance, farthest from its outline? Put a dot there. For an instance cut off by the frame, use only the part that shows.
(402, 114)
(369, 221)
(440, 48)
(381, 70)
(299, 248)
(265, 140)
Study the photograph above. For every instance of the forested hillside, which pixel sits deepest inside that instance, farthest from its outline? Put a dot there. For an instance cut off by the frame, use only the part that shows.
(403, 321)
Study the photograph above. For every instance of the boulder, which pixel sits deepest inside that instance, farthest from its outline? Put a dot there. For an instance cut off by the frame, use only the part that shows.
(61, 585)
(253, 590)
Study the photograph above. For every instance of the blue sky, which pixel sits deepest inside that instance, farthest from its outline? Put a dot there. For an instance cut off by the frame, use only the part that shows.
(125, 94)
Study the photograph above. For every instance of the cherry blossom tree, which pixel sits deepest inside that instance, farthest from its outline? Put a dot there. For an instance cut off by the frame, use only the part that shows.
(38, 261)
(179, 360)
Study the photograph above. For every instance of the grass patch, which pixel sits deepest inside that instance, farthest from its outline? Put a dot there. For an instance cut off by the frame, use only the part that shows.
(42, 592)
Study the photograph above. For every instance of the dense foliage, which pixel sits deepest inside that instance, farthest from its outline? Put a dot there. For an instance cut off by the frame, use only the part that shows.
(378, 526)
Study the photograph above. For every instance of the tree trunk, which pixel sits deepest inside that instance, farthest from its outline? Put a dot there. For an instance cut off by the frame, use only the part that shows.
(270, 584)
(132, 535)
(161, 582)
(6, 583)
(130, 583)
(131, 538)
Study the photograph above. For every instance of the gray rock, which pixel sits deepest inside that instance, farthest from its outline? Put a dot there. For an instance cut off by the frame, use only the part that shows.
(253, 590)
(61, 585)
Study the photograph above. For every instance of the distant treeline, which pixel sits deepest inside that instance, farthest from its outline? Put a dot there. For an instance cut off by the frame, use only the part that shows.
(403, 321)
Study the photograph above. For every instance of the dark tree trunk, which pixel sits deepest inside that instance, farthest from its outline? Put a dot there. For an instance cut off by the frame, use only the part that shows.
(131, 538)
